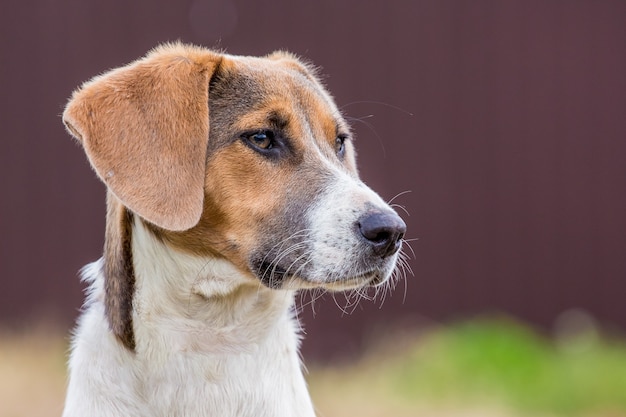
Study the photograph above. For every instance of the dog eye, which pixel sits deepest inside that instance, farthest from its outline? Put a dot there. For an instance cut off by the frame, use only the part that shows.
(263, 139)
(340, 145)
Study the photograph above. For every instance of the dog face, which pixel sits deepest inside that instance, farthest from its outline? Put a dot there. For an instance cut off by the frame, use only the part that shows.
(282, 196)
(240, 158)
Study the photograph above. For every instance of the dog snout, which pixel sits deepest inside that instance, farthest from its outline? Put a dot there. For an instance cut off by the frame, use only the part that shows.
(383, 232)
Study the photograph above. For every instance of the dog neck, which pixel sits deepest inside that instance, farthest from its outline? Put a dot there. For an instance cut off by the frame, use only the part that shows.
(198, 323)
(192, 303)
(159, 298)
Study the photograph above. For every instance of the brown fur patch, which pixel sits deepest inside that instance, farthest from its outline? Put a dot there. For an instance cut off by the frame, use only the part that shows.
(119, 283)
(242, 195)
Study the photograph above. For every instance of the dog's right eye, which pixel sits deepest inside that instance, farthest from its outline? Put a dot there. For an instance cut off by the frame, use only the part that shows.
(262, 140)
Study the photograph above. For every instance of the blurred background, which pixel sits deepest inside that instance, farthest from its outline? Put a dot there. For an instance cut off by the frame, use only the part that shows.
(500, 127)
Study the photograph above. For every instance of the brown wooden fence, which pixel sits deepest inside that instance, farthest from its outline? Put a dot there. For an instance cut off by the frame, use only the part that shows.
(506, 119)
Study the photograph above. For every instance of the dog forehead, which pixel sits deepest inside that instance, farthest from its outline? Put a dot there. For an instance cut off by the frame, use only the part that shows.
(273, 78)
(261, 92)
(273, 67)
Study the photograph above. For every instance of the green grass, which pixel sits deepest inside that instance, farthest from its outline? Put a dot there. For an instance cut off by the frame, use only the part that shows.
(500, 364)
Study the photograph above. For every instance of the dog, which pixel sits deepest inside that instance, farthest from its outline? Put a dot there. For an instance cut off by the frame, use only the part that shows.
(231, 184)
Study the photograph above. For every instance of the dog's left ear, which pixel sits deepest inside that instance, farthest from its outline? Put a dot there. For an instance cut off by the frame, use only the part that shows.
(145, 129)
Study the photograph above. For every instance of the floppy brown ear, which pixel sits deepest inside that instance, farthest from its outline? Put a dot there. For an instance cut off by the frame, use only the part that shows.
(145, 130)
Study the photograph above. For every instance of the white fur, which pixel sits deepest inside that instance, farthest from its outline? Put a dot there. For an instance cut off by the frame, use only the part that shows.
(335, 243)
(211, 341)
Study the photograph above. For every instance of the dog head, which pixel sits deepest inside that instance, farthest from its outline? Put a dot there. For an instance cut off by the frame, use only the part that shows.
(240, 158)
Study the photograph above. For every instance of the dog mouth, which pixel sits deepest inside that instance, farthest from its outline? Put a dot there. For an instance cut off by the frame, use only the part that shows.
(275, 276)
(271, 274)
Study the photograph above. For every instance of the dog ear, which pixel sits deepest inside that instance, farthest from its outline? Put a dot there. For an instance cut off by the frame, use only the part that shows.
(145, 128)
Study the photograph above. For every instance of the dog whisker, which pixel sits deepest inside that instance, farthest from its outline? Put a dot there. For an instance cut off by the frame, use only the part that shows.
(280, 244)
(401, 207)
(344, 311)
(372, 129)
(288, 251)
(397, 196)
(407, 243)
(314, 295)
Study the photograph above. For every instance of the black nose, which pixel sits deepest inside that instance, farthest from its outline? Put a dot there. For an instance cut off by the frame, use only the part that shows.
(383, 231)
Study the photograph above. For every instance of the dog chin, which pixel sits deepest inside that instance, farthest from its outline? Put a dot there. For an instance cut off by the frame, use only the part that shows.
(366, 280)
(369, 279)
